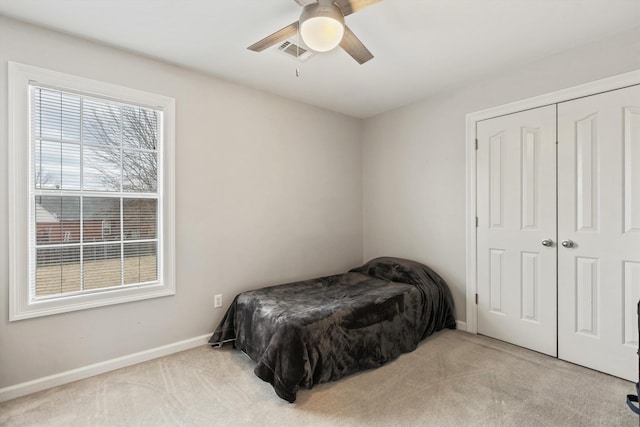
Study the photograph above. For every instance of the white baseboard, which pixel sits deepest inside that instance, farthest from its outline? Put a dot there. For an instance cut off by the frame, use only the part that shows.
(22, 389)
(460, 325)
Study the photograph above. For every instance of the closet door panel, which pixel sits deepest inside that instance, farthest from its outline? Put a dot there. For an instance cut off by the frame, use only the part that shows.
(599, 221)
(516, 211)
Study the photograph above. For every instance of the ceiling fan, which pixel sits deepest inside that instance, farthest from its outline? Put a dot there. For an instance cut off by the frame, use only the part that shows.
(322, 28)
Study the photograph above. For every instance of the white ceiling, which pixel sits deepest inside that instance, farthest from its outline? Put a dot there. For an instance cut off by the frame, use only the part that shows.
(421, 47)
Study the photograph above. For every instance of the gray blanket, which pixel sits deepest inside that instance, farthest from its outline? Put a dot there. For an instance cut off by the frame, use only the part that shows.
(319, 330)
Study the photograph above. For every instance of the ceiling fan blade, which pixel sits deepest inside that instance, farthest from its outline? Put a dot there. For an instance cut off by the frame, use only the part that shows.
(277, 37)
(354, 47)
(352, 6)
(303, 3)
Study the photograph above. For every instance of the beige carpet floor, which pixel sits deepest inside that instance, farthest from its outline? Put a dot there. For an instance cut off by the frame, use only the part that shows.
(452, 379)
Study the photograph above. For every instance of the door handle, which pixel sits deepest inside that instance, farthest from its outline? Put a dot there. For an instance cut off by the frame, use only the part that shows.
(547, 242)
(567, 243)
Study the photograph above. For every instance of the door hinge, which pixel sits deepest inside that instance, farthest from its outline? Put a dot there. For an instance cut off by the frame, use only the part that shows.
(476, 299)
(476, 222)
(476, 143)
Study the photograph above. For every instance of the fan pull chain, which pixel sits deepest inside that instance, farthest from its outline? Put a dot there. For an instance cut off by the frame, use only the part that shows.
(298, 52)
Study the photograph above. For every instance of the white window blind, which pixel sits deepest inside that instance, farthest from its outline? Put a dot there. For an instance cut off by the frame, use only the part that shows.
(94, 213)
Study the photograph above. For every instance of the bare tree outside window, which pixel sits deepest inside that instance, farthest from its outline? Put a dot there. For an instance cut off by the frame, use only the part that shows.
(127, 139)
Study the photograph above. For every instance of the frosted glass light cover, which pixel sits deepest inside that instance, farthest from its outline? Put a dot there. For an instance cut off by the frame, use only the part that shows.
(321, 33)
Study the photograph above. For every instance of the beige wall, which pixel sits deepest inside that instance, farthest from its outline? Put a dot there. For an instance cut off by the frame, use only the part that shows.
(267, 190)
(414, 157)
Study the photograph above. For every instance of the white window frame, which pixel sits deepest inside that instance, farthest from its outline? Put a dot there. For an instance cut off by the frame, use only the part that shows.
(19, 168)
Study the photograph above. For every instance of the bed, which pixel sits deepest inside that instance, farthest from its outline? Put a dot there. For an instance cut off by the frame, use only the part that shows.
(304, 333)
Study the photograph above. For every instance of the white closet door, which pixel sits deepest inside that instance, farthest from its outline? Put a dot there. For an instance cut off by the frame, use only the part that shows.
(516, 179)
(599, 220)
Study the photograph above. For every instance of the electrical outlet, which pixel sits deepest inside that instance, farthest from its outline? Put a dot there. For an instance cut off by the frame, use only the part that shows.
(217, 301)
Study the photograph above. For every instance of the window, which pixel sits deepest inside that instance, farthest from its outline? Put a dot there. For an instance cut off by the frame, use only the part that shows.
(91, 186)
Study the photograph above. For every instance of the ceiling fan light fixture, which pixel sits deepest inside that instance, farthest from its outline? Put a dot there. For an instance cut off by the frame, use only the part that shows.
(321, 26)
